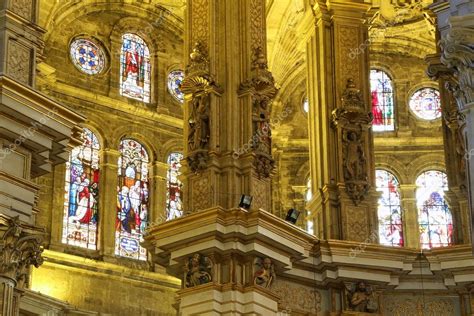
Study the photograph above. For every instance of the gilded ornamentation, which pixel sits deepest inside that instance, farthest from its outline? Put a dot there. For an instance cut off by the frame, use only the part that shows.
(353, 121)
(298, 297)
(23, 8)
(19, 62)
(361, 298)
(261, 88)
(348, 42)
(265, 272)
(197, 271)
(257, 20)
(356, 222)
(18, 251)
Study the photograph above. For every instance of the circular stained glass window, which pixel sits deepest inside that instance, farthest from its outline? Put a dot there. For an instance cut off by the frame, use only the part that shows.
(426, 104)
(174, 81)
(87, 56)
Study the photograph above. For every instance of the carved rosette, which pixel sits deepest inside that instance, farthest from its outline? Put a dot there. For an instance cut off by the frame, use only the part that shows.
(19, 250)
(197, 271)
(261, 89)
(458, 55)
(353, 122)
(198, 85)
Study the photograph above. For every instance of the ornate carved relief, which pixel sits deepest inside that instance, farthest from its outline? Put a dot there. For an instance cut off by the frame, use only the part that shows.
(264, 274)
(401, 305)
(18, 251)
(348, 43)
(257, 24)
(200, 21)
(353, 121)
(201, 193)
(23, 8)
(19, 62)
(356, 224)
(458, 55)
(260, 192)
(197, 271)
(200, 85)
(298, 297)
(261, 88)
(361, 298)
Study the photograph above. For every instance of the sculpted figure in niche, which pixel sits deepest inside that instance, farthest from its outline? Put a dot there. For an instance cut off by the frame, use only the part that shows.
(355, 157)
(197, 271)
(199, 130)
(361, 299)
(265, 274)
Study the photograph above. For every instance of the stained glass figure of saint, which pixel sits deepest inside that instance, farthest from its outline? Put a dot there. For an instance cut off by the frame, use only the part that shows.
(132, 200)
(389, 209)
(81, 197)
(434, 217)
(173, 196)
(382, 101)
(426, 104)
(135, 69)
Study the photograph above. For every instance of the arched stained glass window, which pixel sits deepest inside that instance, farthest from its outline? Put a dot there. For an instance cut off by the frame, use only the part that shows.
(173, 196)
(174, 81)
(389, 209)
(87, 56)
(135, 69)
(308, 196)
(426, 104)
(81, 209)
(382, 101)
(434, 217)
(132, 200)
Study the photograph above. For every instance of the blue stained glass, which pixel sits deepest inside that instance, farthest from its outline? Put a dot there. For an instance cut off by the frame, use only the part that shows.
(87, 56)
(175, 78)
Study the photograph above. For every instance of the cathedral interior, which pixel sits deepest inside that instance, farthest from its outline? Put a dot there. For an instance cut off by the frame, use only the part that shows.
(236, 157)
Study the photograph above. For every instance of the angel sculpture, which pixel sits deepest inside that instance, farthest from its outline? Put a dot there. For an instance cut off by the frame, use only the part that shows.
(265, 273)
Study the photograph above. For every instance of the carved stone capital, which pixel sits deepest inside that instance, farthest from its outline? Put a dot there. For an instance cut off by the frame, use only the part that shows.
(19, 249)
(458, 55)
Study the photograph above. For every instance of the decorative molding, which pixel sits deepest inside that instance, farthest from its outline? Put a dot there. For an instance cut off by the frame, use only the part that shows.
(401, 305)
(297, 297)
(19, 62)
(24, 8)
(257, 24)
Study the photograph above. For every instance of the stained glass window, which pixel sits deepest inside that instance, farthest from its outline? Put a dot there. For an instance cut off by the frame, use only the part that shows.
(382, 101)
(173, 196)
(434, 217)
(87, 56)
(389, 209)
(306, 105)
(135, 68)
(308, 196)
(81, 196)
(132, 200)
(426, 104)
(174, 81)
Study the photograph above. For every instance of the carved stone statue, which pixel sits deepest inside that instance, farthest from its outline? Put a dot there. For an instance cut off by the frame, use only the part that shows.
(197, 271)
(265, 273)
(360, 298)
(354, 160)
(199, 131)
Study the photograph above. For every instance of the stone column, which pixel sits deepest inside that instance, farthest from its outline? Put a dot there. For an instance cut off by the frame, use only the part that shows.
(410, 215)
(108, 201)
(228, 92)
(456, 28)
(341, 142)
(158, 210)
(20, 248)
